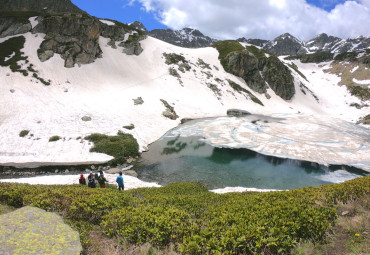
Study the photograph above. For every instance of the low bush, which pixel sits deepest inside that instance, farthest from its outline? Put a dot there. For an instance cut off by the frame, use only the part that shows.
(194, 220)
(240, 89)
(54, 138)
(23, 133)
(120, 146)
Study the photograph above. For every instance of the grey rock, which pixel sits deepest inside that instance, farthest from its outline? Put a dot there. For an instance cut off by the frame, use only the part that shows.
(86, 118)
(13, 26)
(113, 171)
(130, 173)
(138, 101)
(345, 213)
(46, 231)
(131, 48)
(12, 91)
(237, 113)
(185, 120)
(257, 42)
(45, 55)
(170, 111)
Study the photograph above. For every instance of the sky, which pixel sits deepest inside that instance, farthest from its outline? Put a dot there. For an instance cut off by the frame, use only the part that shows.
(232, 19)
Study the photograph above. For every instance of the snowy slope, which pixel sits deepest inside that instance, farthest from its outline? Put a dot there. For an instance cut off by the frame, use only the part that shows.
(105, 89)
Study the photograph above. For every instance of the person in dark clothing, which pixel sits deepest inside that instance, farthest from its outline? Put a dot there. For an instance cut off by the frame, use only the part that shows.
(82, 180)
(119, 180)
(102, 180)
(91, 180)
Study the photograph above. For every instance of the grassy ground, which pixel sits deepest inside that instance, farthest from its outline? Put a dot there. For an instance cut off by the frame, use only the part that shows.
(351, 234)
(6, 208)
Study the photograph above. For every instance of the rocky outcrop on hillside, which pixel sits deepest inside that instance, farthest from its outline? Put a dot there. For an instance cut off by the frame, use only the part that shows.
(68, 31)
(261, 71)
(186, 37)
(322, 42)
(39, 6)
(74, 37)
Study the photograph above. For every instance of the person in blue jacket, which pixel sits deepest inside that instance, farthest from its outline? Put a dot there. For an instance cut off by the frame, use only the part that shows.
(119, 180)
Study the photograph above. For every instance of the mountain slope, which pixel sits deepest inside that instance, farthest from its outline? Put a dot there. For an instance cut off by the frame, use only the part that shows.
(103, 97)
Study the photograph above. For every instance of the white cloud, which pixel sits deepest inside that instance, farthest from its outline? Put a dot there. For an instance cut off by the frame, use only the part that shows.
(265, 19)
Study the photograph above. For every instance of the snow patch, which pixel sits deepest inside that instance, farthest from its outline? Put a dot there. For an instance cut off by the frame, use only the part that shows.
(33, 21)
(362, 82)
(107, 22)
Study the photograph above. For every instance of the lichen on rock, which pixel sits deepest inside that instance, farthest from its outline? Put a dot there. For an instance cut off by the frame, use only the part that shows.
(31, 230)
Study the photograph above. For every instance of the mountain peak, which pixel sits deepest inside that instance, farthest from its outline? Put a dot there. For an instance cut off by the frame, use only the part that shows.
(186, 37)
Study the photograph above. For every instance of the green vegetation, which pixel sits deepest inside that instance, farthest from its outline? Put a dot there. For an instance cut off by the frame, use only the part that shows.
(20, 16)
(130, 127)
(10, 54)
(226, 47)
(23, 133)
(240, 89)
(258, 53)
(120, 146)
(361, 92)
(317, 57)
(173, 58)
(54, 138)
(194, 220)
(346, 56)
(295, 68)
(6, 208)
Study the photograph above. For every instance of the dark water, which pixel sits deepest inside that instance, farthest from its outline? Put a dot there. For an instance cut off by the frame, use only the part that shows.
(189, 159)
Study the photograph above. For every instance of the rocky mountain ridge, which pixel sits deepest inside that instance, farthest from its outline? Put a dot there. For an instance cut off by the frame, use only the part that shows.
(186, 37)
(285, 44)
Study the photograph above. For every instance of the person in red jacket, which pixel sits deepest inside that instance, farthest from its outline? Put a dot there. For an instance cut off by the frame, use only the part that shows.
(82, 180)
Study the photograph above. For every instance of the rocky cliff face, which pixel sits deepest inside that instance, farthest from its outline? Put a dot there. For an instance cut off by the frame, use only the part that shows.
(39, 6)
(260, 71)
(75, 36)
(187, 37)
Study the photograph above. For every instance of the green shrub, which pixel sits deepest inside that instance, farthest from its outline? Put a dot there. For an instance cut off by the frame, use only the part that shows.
(120, 146)
(295, 68)
(193, 219)
(14, 46)
(130, 127)
(258, 53)
(360, 92)
(23, 133)
(240, 89)
(173, 58)
(54, 138)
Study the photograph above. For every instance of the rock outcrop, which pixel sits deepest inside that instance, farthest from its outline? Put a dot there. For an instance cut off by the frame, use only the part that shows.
(39, 6)
(31, 230)
(261, 71)
(69, 31)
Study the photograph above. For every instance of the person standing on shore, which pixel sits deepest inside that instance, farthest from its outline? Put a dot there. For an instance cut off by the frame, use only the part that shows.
(119, 180)
(82, 180)
(91, 180)
(102, 180)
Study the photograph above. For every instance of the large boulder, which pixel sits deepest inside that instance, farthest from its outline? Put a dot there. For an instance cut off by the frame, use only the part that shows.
(31, 230)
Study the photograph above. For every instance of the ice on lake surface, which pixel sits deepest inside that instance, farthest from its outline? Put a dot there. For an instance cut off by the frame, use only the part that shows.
(265, 152)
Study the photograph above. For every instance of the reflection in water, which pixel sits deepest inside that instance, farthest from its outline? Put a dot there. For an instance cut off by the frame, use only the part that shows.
(190, 159)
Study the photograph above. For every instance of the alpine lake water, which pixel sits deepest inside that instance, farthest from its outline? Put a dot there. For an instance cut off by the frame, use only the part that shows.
(181, 159)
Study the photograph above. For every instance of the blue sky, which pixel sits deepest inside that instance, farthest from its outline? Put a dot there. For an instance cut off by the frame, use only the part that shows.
(230, 19)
